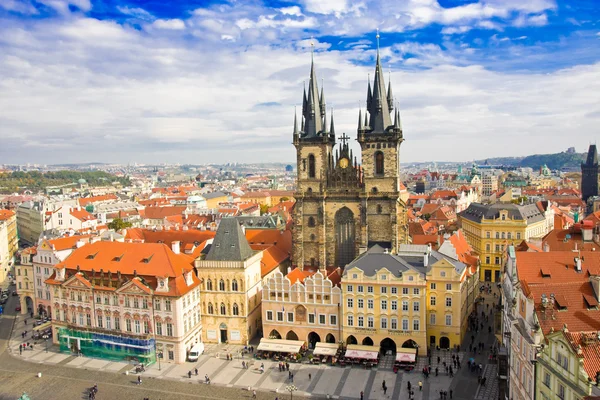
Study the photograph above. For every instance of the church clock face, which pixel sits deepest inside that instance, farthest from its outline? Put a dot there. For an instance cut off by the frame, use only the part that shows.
(344, 163)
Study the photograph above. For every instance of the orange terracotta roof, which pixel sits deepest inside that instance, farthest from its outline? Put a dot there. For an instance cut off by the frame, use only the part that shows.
(148, 260)
(443, 194)
(256, 195)
(155, 202)
(185, 237)
(163, 212)
(424, 239)
(335, 276)
(557, 240)
(6, 214)
(69, 242)
(82, 215)
(589, 344)
(559, 264)
(297, 275)
(84, 201)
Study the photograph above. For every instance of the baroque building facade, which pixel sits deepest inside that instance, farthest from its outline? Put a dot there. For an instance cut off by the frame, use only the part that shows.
(344, 207)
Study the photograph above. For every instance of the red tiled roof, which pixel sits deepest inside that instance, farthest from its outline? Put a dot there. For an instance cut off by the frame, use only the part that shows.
(557, 240)
(589, 344)
(84, 201)
(6, 214)
(297, 275)
(82, 215)
(66, 243)
(560, 264)
(162, 212)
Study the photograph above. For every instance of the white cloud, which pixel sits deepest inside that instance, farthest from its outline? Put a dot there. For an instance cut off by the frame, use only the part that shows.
(136, 12)
(62, 6)
(173, 24)
(23, 7)
(293, 10)
(326, 7)
(453, 30)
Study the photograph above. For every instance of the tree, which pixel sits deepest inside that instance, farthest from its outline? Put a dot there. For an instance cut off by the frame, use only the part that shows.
(426, 216)
(264, 209)
(117, 224)
(284, 198)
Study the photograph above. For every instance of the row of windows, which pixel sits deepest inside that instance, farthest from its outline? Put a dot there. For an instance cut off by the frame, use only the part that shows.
(108, 322)
(311, 318)
(378, 159)
(394, 322)
(223, 310)
(360, 303)
(223, 286)
(130, 302)
(502, 235)
(393, 289)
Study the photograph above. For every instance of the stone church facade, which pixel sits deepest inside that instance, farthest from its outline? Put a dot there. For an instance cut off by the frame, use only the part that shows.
(344, 207)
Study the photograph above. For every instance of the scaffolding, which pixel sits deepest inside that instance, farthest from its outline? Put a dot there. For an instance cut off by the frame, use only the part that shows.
(107, 346)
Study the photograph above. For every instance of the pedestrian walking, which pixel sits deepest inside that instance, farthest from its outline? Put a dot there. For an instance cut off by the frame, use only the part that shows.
(436, 371)
(254, 394)
(450, 393)
(190, 374)
(409, 385)
(309, 376)
(384, 390)
(438, 359)
(139, 380)
(362, 395)
(292, 378)
(420, 386)
(20, 349)
(383, 384)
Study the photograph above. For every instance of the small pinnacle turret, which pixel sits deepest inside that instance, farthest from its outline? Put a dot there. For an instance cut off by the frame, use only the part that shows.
(332, 129)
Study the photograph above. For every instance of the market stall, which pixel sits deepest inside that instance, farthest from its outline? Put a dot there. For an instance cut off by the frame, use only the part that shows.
(361, 355)
(406, 359)
(280, 349)
(325, 352)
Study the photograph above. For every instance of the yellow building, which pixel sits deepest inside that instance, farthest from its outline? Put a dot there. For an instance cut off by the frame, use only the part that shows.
(384, 302)
(214, 199)
(231, 283)
(489, 228)
(25, 280)
(302, 306)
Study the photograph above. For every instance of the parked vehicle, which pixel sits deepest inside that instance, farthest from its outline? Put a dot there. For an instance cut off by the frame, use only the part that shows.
(196, 351)
(18, 308)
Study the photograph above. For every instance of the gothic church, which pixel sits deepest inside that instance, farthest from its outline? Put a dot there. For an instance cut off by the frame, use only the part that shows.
(343, 207)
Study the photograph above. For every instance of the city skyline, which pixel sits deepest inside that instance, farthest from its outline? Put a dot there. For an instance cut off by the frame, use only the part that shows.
(199, 82)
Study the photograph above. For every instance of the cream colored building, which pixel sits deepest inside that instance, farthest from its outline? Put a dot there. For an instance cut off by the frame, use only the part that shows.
(384, 302)
(302, 306)
(231, 286)
(25, 280)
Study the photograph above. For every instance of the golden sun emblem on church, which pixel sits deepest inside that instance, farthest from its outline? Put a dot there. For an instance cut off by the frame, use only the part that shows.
(344, 163)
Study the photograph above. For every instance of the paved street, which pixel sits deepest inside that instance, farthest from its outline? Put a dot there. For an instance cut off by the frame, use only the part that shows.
(67, 377)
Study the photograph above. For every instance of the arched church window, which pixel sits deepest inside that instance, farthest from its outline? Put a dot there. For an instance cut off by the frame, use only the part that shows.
(210, 309)
(309, 191)
(374, 190)
(236, 310)
(222, 309)
(311, 222)
(222, 285)
(379, 209)
(378, 163)
(209, 285)
(311, 166)
(234, 285)
(312, 237)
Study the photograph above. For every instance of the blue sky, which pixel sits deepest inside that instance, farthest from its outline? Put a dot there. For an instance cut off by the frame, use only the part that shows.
(217, 81)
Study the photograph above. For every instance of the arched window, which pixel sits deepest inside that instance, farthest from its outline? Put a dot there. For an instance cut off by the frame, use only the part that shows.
(236, 310)
(210, 309)
(209, 285)
(374, 190)
(379, 209)
(222, 309)
(312, 237)
(222, 285)
(311, 222)
(234, 285)
(311, 166)
(378, 163)
(309, 191)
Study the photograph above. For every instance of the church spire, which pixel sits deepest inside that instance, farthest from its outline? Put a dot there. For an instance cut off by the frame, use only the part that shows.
(332, 129)
(312, 112)
(295, 121)
(379, 108)
(360, 125)
(390, 96)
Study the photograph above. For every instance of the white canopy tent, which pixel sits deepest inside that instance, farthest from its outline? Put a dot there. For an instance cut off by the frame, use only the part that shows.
(326, 349)
(280, 345)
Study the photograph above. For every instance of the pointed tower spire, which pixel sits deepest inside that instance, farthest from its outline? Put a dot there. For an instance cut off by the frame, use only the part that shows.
(379, 109)
(332, 128)
(369, 91)
(312, 112)
(324, 121)
(322, 99)
(360, 125)
(397, 123)
(390, 96)
(295, 121)
(366, 120)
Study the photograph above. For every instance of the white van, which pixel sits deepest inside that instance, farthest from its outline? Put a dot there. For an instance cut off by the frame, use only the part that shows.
(196, 351)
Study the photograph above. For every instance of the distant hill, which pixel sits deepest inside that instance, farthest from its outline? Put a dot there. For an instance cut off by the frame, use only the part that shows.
(553, 161)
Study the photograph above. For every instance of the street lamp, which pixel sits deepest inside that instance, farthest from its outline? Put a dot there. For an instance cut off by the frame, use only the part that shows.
(291, 389)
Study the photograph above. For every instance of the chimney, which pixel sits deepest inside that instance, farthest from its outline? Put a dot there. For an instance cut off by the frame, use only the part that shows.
(578, 264)
(546, 247)
(586, 232)
(175, 246)
(595, 281)
(426, 259)
(80, 243)
(289, 269)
